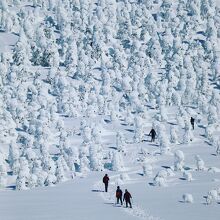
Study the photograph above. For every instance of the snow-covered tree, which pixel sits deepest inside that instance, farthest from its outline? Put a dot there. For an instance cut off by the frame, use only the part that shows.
(147, 169)
(23, 174)
(163, 139)
(187, 176)
(200, 165)
(96, 157)
(60, 173)
(212, 196)
(217, 146)
(13, 158)
(160, 178)
(117, 162)
(120, 142)
(188, 198)
(173, 135)
(32, 181)
(3, 171)
(138, 129)
(209, 130)
(178, 160)
(188, 135)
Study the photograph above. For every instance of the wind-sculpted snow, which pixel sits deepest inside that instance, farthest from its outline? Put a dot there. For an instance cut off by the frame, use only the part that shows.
(82, 84)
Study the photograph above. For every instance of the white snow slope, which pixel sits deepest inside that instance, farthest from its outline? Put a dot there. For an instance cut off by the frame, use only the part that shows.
(156, 196)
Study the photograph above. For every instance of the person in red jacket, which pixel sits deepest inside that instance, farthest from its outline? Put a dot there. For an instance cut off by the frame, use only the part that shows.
(118, 195)
(127, 198)
(105, 181)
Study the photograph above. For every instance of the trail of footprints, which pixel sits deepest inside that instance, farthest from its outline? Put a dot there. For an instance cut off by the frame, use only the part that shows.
(109, 198)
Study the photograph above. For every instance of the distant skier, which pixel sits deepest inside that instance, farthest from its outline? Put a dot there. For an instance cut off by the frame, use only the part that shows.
(192, 121)
(105, 181)
(119, 195)
(127, 198)
(152, 134)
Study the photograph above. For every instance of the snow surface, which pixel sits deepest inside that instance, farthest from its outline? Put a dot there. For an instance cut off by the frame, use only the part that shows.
(82, 197)
(70, 200)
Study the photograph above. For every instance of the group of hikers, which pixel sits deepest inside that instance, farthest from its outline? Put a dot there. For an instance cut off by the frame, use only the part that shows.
(127, 196)
(119, 194)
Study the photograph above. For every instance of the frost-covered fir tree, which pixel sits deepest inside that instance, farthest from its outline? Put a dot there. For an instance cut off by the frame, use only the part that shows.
(178, 160)
(41, 178)
(163, 139)
(173, 135)
(147, 169)
(60, 173)
(138, 129)
(212, 115)
(212, 196)
(84, 164)
(117, 162)
(163, 114)
(72, 158)
(23, 174)
(188, 135)
(86, 134)
(3, 171)
(96, 135)
(21, 51)
(200, 165)
(32, 181)
(188, 198)
(13, 158)
(51, 180)
(160, 178)
(209, 130)
(96, 157)
(217, 146)
(120, 142)
(187, 176)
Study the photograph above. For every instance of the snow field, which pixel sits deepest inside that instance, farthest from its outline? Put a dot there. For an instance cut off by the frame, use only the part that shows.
(82, 83)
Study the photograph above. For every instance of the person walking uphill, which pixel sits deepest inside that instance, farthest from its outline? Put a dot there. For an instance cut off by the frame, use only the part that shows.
(152, 134)
(119, 195)
(192, 121)
(105, 181)
(127, 198)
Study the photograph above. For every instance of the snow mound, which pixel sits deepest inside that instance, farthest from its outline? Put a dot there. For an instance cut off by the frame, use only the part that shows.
(187, 198)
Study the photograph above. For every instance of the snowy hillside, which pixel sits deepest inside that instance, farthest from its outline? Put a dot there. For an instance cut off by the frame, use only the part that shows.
(82, 84)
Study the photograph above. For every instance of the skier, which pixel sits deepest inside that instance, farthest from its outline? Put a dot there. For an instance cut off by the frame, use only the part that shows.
(192, 121)
(119, 195)
(105, 181)
(127, 198)
(152, 134)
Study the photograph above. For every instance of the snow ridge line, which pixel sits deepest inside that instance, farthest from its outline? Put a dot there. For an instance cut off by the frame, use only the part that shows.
(136, 210)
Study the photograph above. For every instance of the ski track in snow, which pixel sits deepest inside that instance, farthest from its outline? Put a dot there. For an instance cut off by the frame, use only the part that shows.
(109, 197)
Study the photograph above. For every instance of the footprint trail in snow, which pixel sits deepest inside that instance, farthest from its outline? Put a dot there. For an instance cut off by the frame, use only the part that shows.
(135, 211)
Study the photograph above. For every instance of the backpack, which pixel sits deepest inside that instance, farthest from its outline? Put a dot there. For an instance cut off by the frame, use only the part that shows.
(118, 193)
(105, 179)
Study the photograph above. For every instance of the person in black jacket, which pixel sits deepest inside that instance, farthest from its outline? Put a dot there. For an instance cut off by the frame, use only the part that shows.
(127, 198)
(105, 181)
(119, 195)
(152, 134)
(192, 121)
